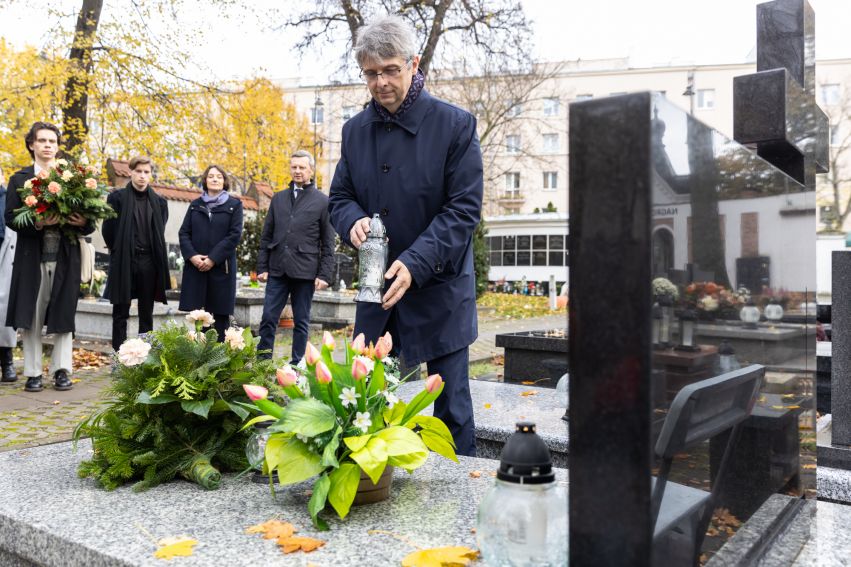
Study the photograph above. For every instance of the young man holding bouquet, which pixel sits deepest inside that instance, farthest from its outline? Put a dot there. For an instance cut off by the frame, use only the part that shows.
(46, 274)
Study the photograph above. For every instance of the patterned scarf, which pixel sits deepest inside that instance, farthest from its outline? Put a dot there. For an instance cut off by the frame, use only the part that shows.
(417, 84)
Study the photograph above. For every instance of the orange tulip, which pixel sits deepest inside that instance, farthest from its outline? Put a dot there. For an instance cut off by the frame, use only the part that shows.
(433, 382)
(382, 348)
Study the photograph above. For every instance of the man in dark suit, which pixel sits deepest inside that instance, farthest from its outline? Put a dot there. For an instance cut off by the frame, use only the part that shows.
(296, 254)
(138, 261)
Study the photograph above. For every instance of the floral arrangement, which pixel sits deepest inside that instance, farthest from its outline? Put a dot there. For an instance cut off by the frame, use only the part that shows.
(662, 287)
(703, 296)
(769, 295)
(65, 188)
(344, 418)
(95, 286)
(177, 407)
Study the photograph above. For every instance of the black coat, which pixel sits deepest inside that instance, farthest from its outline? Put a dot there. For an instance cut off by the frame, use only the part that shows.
(298, 239)
(215, 234)
(26, 273)
(119, 238)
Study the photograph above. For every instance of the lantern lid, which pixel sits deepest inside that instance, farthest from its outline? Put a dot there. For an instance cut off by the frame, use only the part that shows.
(724, 349)
(525, 459)
(376, 227)
(688, 315)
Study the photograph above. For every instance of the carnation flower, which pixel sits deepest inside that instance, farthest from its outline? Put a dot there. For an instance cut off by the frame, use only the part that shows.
(133, 352)
(61, 162)
(91, 183)
(31, 201)
(67, 175)
(43, 174)
(200, 316)
(708, 303)
(234, 338)
(54, 187)
(28, 184)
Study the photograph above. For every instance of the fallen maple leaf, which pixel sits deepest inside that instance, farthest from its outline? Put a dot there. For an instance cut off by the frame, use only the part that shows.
(273, 529)
(475, 474)
(441, 557)
(528, 393)
(171, 547)
(294, 543)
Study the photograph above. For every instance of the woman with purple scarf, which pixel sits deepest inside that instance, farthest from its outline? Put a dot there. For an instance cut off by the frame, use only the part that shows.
(209, 235)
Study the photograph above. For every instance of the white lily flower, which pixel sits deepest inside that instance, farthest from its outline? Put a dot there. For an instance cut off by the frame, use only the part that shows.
(362, 421)
(349, 397)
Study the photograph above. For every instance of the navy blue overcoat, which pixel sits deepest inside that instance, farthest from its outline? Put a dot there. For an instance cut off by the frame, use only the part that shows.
(215, 234)
(423, 174)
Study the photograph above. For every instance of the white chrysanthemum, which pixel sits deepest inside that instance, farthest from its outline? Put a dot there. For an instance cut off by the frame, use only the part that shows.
(368, 362)
(391, 398)
(349, 397)
(199, 315)
(362, 421)
(133, 352)
(234, 338)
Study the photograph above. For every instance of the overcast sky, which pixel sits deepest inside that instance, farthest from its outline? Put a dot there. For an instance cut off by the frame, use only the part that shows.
(650, 32)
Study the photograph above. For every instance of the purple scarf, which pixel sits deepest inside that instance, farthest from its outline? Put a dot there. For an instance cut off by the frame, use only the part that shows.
(213, 202)
(417, 84)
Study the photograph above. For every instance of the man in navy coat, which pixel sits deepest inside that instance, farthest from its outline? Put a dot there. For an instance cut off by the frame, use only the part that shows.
(416, 161)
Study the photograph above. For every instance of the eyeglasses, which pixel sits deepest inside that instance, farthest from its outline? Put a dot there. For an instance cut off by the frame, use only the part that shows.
(370, 76)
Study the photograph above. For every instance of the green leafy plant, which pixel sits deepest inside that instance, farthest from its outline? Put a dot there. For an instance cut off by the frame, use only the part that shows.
(177, 407)
(344, 418)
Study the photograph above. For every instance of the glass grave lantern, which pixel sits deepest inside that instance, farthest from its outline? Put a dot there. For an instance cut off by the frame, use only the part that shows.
(372, 257)
(773, 312)
(688, 326)
(522, 520)
(749, 315)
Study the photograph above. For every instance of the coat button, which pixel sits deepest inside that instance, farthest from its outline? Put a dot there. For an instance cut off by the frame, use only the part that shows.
(384, 212)
(385, 168)
(438, 267)
(388, 126)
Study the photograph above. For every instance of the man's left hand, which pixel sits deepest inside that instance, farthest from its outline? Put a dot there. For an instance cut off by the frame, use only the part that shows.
(319, 284)
(399, 286)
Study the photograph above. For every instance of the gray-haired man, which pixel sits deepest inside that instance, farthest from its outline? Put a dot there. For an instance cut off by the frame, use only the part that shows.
(296, 253)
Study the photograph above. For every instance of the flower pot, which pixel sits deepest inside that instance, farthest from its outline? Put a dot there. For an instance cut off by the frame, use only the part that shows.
(286, 321)
(369, 493)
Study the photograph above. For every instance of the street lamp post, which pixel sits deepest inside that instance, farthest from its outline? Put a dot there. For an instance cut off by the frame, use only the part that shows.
(689, 92)
(317, 108)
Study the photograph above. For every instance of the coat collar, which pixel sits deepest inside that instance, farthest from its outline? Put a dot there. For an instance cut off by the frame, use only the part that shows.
(410, 120)
(305, 188)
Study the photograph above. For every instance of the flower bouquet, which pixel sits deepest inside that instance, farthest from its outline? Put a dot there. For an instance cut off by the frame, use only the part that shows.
(65, 188)
(663, 287)
(345, 418)
(177, 407)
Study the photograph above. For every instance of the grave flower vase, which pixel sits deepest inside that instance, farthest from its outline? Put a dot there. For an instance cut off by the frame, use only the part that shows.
(369, 493)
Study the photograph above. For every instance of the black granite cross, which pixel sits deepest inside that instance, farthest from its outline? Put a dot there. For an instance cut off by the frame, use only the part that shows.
(775, 108)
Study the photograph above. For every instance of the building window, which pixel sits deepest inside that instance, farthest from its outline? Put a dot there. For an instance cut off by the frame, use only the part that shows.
(584, 97)
(349, 111)
(551, 180)
(528, 250)
(834, 135)
(551, 106)
(515, 109)
(512, 185)
(512, 144)
(829, 94)
(317, 115)
(705, 99)
(550, 143)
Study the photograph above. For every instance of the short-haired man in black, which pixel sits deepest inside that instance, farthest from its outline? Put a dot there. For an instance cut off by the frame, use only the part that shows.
(296, 253)
(138, 260)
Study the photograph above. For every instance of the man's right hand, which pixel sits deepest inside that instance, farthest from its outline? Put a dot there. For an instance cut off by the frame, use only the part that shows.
(263, 277)
(359, 231)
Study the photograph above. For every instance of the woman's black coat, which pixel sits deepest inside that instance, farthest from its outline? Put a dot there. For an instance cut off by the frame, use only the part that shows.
(214, 233)
(26, 273)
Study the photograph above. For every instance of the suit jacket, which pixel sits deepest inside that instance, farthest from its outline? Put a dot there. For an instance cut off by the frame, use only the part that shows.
(423, 174)
(298, 239)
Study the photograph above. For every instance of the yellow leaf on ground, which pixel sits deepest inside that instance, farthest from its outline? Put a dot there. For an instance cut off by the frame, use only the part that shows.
(487, 406)
(441, 557)
(475, 474)
(528, 393)
(172, 547)
(294, 543)
(527, 382)
(273, 529)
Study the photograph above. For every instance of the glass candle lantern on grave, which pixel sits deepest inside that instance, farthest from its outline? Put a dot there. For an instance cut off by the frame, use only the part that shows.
(727, 358)
(372, 263)
(688, 325)
(773, 312)
(667, 305)
(522, 520)
(749, 315)
(255, 449)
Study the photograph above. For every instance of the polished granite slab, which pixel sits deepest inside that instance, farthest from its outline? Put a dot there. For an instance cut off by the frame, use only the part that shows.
(48, 516)
(498, 406)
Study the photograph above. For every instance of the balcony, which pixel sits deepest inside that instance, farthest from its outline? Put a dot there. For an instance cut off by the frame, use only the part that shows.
(511, 197)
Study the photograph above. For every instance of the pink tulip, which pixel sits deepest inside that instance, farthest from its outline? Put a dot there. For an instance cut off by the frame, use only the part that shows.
(286, 376)
(323, 375)
(359, 369)
(328, 340)
(433, 382)
(359, 343)
(382, 348)
(311, 355)
(255, 392)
